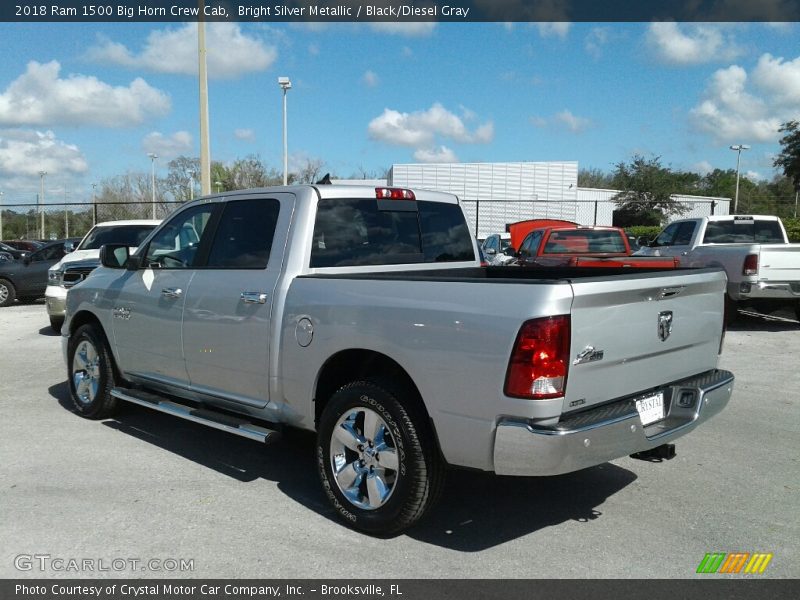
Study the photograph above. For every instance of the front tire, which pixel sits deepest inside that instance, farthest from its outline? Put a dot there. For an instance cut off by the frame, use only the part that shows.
(377, 459)
(797, 310)
(7, 292)
(91, 373)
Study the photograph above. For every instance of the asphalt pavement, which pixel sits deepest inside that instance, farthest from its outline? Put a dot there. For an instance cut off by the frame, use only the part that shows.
(145, 486)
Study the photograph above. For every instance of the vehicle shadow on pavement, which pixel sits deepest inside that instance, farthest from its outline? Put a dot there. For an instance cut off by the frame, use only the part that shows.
(482, 510)
(49, 332)
(476, 510)
(747, 320)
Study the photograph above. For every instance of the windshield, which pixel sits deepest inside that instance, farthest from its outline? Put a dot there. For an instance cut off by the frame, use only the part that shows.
(131, 235)
(585, 241)
(743, 231)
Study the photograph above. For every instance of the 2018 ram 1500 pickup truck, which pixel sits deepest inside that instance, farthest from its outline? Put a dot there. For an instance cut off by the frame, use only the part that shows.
(362, 314)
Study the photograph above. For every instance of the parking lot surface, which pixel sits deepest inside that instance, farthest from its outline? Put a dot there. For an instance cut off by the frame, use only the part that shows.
(148, 486)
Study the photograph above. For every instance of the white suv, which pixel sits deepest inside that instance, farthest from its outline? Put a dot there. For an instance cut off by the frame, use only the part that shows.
(86, 256)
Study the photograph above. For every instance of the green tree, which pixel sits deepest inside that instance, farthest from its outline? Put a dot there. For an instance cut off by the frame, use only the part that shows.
(646, 190)
(789, 158)
(594, 178)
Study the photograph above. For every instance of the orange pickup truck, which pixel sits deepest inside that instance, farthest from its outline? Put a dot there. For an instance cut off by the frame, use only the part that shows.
(570, 245)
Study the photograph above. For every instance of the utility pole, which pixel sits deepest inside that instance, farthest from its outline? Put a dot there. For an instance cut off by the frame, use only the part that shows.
(1, 215)
(205, 151)
(153, 156)
(41, 203)
(738, 148)
(94, 205)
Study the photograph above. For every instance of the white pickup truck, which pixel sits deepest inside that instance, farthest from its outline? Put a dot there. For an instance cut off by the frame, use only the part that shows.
(363, 314)
(763, 268)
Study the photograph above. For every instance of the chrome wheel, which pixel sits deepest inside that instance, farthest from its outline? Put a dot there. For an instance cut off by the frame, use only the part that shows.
(3, 293)
(86, 372)
(364, 458)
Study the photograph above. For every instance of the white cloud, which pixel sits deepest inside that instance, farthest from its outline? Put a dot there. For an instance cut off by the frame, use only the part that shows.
(419, 29)
(779, 78)
(230, 53)
(370, 79)
(754, 176)
(703, 167)
(693, 45)
(596, 40)
(40, 97)
(558, 29)
(246, 135)
(442, 154)
(420, 129)
(565, 120)
(168, 147)
(25, 152)
(736, 108)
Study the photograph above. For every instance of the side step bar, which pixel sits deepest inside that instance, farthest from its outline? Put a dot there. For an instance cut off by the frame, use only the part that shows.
(204, 416)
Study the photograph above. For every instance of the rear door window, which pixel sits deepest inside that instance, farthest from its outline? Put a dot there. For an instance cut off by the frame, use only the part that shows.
(243, 238)
(366, 231)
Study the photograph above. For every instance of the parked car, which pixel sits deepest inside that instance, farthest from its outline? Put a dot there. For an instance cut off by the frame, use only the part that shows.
(24, 245)
(79, 263)
(495, 247)
(12, 252)
(577, 246)
(356, 312)
(26, 279)
(763, 268)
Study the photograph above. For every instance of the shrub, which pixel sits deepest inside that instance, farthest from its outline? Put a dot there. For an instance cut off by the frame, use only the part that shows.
(792, 226)
(648, 231)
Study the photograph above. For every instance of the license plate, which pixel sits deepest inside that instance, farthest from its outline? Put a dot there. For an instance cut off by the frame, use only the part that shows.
(651, 408)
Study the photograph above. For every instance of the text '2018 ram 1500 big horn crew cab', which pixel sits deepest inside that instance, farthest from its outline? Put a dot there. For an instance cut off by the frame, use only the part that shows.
(362, 314)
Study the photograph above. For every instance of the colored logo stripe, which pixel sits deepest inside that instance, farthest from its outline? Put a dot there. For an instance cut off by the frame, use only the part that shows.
(720, 562)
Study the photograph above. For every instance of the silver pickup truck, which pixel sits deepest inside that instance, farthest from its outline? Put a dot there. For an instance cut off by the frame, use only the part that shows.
(763, 268)
(362, 314)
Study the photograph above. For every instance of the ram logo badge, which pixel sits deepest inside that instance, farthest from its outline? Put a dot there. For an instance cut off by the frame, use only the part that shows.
(664, 324)
(120, 312)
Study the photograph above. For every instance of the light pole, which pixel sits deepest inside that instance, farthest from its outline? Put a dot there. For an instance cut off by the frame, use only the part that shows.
(219, 186)
(286, 85)
(738, 148)
(94, 205)
(153, 158)
(191, 184)
(1, 215)
(41, 203)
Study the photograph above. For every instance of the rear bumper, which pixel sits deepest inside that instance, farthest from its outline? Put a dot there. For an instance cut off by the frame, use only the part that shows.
(607, 432)
(764, 290)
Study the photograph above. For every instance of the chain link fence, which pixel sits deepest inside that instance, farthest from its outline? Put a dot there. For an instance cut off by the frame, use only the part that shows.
(70, 220)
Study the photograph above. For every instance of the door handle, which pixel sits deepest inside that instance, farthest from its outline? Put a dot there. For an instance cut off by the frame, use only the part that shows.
(254, 297)
(172, 292)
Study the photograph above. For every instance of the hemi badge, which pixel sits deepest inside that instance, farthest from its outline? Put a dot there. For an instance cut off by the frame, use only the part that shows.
(588, 354)
(577, 402)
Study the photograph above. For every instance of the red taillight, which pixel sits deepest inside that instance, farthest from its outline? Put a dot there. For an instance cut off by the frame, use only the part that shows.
(750, 265)
(384, 193)
(540, 359)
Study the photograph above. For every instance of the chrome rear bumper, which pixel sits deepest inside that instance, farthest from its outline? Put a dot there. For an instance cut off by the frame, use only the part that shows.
(607, 432)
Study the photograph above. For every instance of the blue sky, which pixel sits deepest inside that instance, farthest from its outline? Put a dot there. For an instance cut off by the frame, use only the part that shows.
(86, 101)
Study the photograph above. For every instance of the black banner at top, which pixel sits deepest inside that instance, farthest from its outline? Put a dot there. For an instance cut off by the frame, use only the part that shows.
(399, 10)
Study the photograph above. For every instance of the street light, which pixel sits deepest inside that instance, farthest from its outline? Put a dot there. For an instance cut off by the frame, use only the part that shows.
(153, 158)
(94, 205)
(738, 148)
(191, 184)
(219, 186)
(41, 203)
(1, 215)
(286, 85)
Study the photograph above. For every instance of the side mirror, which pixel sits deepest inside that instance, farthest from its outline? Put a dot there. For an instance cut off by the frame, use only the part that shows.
(490, 252)
(114, 256)
(510, 251)
(69, 247)
(643, 242)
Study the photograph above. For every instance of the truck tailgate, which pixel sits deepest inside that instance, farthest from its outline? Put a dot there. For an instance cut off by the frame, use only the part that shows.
(780, 262)
(631, 335)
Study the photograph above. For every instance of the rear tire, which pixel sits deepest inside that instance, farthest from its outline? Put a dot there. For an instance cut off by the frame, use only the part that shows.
(7, 292)
(377, 459)
(91, 373)
(57, 323)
